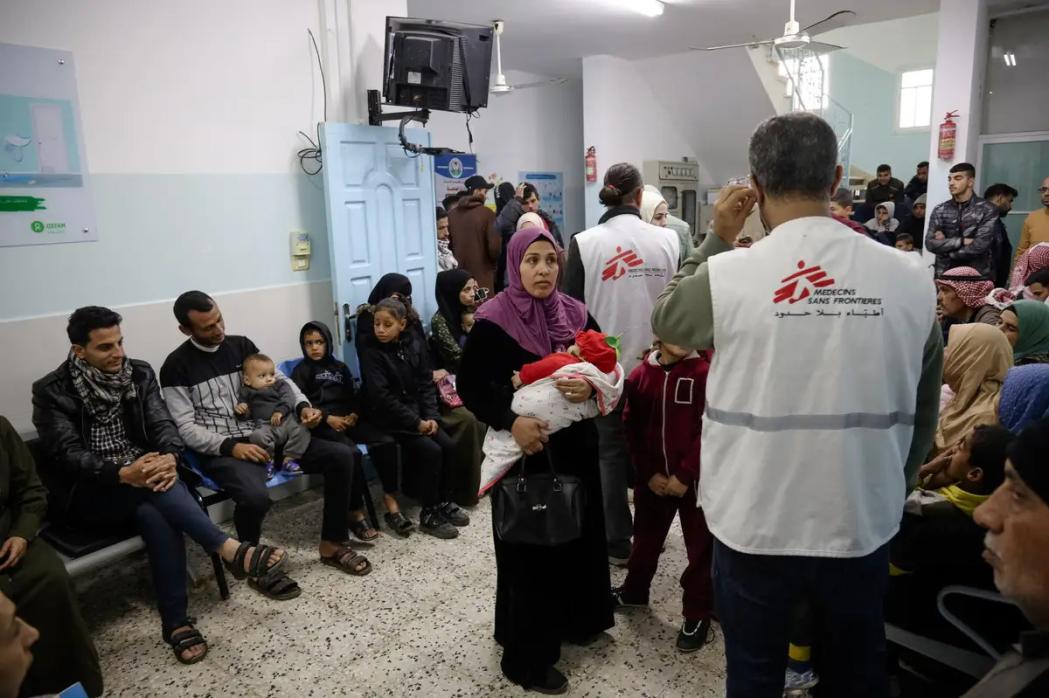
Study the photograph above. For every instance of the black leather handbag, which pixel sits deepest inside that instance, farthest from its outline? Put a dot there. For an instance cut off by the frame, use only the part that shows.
(540, 509)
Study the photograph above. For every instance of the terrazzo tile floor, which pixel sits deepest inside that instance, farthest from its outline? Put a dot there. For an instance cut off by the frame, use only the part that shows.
(419, 625)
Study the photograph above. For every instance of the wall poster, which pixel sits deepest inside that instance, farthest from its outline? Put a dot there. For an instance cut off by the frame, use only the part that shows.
(551, 188)
(44, 197)
(450, 171)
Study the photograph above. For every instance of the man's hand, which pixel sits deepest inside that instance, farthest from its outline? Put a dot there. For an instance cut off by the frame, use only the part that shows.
(967, 241)
(337, 423)
(427, 427)
(730, 212)
(519, 192)
(241, 409)
(439, 375)
(351, 420)
(164, 473)
(938, 235)
(12, 551)
(310, 417)
(658, 484)
(250, 453)
(675, 488)
(137, 474)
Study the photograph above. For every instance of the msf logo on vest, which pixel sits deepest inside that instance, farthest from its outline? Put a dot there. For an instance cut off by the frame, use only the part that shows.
(800, 285)
(617, 267)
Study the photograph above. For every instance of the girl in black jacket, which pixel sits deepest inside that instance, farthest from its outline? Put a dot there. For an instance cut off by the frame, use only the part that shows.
(402, 401)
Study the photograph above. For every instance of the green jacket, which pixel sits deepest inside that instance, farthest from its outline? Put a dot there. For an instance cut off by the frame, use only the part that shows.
(23, 499)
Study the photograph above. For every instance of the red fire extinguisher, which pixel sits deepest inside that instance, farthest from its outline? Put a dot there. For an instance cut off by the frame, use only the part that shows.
(591, 164)
(948, 128)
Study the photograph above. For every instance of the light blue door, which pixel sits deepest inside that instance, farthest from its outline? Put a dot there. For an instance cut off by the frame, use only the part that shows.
(380, 218)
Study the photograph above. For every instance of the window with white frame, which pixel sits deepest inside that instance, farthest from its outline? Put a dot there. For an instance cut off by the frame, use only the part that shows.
(915, 99)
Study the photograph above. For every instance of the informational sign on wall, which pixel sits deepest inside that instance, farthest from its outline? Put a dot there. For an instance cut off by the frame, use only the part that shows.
(450, 171)
(44, 197)
(551, 188)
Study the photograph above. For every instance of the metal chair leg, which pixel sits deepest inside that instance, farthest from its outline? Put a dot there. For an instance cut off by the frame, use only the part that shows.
(220, 576)
(359, 480)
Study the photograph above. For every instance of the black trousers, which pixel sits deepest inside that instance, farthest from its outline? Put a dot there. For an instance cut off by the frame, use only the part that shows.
(428, 463)
(44, 594)
(381, 448)
(245, 482)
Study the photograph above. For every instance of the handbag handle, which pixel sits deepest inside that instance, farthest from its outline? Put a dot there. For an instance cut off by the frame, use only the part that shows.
(521, 487)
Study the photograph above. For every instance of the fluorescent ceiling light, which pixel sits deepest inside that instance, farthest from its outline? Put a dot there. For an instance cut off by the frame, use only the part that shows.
(1010, 59)
(648, 8)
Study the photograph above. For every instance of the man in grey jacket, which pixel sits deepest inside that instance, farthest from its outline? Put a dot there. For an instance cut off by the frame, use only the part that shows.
(961, 230)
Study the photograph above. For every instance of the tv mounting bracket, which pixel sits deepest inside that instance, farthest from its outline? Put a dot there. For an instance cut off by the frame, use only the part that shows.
(376, 117)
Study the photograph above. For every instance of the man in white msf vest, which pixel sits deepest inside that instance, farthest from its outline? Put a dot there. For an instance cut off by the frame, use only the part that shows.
(618, 268)
(822, 403)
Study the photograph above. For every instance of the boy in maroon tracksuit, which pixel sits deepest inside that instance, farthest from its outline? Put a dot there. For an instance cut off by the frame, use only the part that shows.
(665, 397)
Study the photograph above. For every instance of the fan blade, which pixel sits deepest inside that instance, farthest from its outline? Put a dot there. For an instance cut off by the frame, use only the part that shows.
(845, 16)
(542, 83)
(820, 47)
(718, 48)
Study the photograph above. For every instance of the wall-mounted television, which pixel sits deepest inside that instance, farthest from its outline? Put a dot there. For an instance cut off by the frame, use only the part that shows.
(432, 64)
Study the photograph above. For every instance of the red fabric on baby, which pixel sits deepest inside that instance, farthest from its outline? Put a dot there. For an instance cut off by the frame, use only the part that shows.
(594, 348)
(545, 367)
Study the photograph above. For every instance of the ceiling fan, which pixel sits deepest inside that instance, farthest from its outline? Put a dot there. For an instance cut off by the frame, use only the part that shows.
(499, 85)
(793, 35)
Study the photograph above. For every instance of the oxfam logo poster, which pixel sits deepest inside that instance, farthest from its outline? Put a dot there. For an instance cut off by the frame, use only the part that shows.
(455, 168)
(36, 226)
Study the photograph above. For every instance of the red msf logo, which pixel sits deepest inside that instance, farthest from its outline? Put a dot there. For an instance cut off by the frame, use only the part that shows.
(617, 267)
(798, 286)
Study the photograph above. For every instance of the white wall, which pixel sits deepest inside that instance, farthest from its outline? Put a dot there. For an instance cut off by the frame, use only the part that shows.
(537, 128)
(190, 112)
(961, 60)
(698, 105)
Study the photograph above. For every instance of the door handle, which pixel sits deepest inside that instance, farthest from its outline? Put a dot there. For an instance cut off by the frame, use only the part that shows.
(348, 322)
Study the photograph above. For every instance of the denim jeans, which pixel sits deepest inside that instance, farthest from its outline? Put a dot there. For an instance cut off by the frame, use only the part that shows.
(160, 518)
(755, 598)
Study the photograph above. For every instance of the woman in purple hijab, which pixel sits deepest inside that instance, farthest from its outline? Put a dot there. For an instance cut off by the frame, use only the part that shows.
(545, 595)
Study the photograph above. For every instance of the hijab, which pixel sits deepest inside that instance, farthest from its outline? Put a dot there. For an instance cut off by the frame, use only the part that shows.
(534, 218)
(388, 285)
(540, 326)
(449, 284)
(975, 364)
(1025, 396)
(1034, 328)
(504, 194)
(650, 201)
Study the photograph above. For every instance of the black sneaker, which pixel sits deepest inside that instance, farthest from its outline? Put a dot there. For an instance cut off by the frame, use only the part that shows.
(622, 600)
(453, 514)
(552, 683)
(432, 522)
(694, 634)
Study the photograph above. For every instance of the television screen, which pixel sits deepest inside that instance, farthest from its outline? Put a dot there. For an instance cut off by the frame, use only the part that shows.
(437, 65)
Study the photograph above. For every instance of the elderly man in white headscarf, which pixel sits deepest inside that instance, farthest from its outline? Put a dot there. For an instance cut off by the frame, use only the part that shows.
(654, 210)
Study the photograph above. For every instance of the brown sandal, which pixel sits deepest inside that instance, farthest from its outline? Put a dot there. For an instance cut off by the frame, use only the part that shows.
(348, 561)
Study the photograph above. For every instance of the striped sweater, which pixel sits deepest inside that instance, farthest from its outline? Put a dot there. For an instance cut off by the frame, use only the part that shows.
(200, 389)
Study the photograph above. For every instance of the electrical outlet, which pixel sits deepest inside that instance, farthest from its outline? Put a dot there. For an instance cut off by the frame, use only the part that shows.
(300, 263)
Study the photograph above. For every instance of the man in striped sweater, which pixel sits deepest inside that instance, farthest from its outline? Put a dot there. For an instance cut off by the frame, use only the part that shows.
(201, 379)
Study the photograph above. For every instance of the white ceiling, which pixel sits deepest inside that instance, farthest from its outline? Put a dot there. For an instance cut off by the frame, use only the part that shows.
(548, 37)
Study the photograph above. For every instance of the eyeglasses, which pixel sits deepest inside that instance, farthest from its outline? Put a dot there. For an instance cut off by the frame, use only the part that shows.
(1043, 190)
